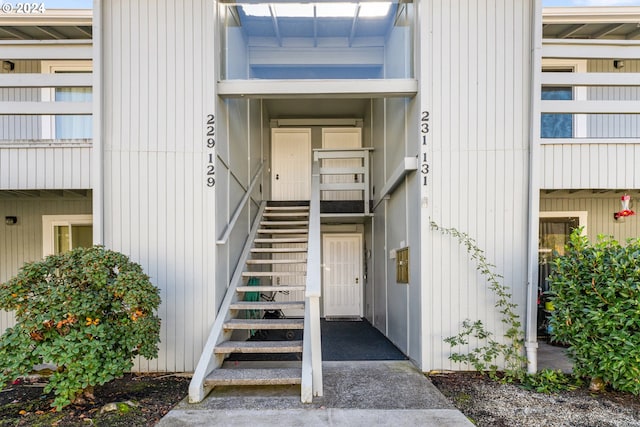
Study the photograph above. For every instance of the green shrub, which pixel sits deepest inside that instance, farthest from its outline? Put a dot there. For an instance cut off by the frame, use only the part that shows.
(595, 291)
(88, 311)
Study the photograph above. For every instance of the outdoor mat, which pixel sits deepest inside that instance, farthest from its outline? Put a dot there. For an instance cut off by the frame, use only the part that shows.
(341, 341)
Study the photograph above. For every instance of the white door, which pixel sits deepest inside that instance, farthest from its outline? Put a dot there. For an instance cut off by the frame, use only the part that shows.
(291, 164)
(335, 138)
(342, 275)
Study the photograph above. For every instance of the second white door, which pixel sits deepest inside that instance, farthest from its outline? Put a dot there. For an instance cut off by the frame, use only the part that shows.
(342, 275)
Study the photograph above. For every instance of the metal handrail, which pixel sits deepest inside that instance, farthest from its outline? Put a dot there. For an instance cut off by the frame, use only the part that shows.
(236, 214)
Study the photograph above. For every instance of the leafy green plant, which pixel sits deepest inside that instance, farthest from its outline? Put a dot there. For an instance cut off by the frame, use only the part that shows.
(88, 312)
(485, 357)
(595, 291)
(550, 381)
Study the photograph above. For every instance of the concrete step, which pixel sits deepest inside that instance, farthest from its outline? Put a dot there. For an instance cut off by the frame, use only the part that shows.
(278, 250)
(273, 376)
(269, 288)
(276, 261)
(267, 305)
(264, 324)
(273, 273)
(259, 347)
(282, 240)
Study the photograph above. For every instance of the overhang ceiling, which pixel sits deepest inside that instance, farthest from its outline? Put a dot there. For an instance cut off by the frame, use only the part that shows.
(558, 22)
(54, 24)
(620, 23)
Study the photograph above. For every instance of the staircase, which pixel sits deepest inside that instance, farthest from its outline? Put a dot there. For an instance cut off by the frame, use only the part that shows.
(272, 281)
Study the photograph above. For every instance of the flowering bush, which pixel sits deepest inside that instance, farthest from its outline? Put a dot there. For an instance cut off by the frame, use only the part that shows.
(88, 311)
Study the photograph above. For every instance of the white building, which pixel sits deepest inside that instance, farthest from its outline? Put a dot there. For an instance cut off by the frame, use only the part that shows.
(158, 129)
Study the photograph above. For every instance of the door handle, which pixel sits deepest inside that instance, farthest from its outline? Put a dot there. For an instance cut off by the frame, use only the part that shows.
(357, 280)
(277, 176)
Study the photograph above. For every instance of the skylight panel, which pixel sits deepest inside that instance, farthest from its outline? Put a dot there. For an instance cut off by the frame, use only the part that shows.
(374, 10)
(256, 9)
(294, 10)
(336, 10)
(322, 10)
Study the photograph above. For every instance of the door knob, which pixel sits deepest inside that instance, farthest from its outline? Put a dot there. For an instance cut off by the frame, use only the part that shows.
(277, 176)
(357, 279)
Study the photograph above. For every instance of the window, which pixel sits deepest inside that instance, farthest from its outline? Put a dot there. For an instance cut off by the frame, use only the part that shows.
(563, 125)
(62, 233)
(67, 127)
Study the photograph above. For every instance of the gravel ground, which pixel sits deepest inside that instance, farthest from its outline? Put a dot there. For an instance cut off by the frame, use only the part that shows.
(488, 403)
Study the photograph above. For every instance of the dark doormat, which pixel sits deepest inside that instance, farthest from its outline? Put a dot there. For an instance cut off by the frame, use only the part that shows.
(341, 341)
(348, 340)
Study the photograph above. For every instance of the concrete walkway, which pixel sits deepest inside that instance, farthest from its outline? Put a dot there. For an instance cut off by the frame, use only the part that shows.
(371, 393)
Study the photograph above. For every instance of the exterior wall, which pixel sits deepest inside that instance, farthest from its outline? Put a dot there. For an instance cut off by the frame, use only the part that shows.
(575, 165)
(395, 307)
(609, 164)
(600, 209)
(40, 167)
(613, 125)
(22, 242)
(158, 67)
(240, 141)
(475, 83)
(20, 127)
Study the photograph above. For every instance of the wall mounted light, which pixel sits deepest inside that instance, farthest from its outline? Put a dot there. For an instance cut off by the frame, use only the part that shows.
(618, 64)
(11, 220)
(8, 66)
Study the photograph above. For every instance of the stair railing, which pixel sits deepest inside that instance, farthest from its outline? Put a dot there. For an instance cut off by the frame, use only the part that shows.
(311, 384)
(236, 214)
(208, 360)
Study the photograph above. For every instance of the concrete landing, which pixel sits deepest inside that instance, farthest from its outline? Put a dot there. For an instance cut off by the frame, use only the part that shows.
(369, 393)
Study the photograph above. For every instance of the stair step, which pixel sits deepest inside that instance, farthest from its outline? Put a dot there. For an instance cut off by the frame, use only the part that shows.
(283, 231)
(279, 223)
(287, 208)
(276, 261)
(264, 324)
(283, 240)
(278, 250)
(267, 305)
(269, 288)
(273, 273)
(285, 214)
(259, 347)
(274, 376)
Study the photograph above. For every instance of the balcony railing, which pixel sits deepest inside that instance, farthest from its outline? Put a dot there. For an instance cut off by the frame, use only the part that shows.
(594, 93)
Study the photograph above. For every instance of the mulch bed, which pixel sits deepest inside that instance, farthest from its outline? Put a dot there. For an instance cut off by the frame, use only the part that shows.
(146, 398)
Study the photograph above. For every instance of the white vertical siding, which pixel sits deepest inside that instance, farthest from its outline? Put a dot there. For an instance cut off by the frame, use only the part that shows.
(158, 88)
(613, 125)
(575, 165)
(478, 93)
(22, 242)
(44, 167)
(20, 127)
(600, 209)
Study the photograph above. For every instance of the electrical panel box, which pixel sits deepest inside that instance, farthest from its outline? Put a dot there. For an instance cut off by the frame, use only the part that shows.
(402, 265)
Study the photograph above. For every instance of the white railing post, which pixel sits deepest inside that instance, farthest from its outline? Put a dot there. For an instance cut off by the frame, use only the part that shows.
(312, 346)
